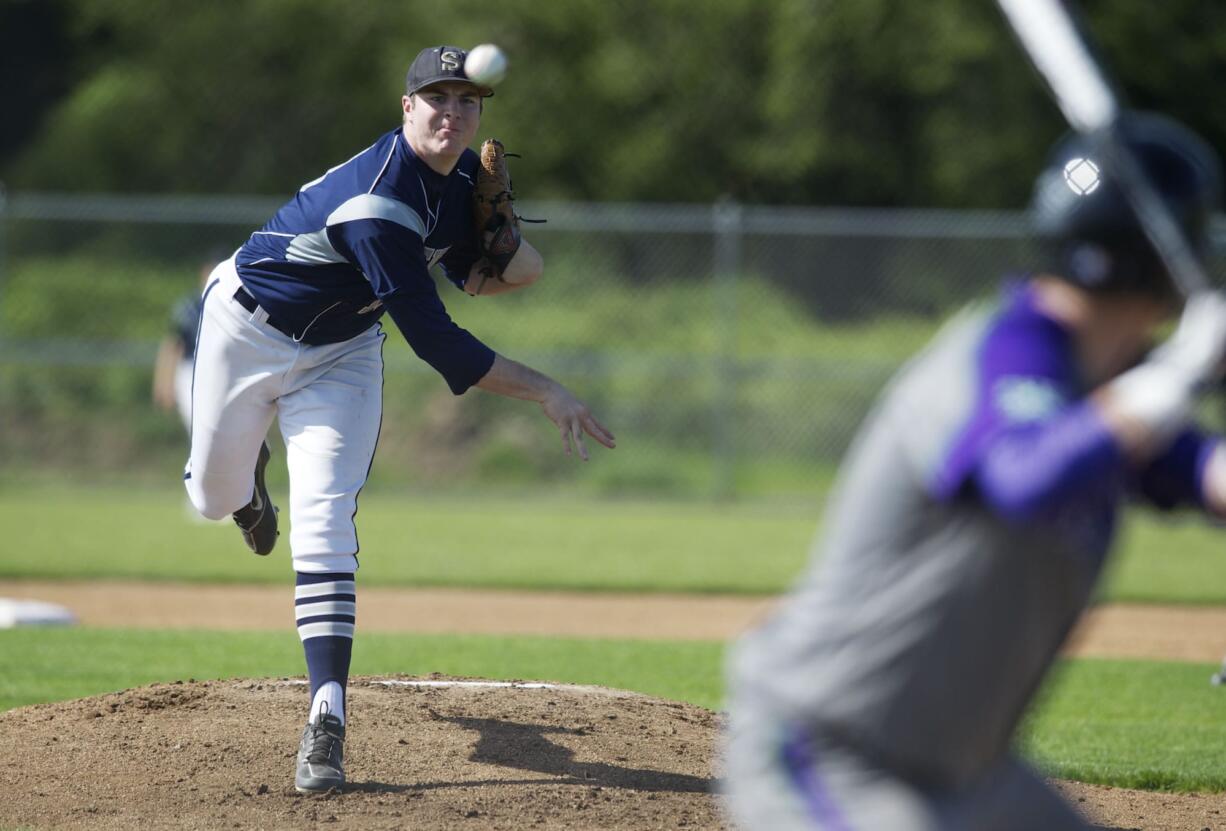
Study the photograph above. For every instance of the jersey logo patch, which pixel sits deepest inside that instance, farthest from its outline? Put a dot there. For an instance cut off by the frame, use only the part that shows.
(433, 255)
(1023, 399)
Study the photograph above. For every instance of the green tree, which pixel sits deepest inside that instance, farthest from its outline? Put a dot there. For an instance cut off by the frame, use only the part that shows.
(852, 102)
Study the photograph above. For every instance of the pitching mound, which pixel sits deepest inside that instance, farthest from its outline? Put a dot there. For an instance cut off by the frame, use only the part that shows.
(421, 753)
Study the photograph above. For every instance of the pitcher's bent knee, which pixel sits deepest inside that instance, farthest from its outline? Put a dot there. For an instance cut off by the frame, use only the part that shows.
(217, 500)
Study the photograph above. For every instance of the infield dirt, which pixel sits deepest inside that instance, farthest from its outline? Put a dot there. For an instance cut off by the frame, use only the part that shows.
(1177, 633)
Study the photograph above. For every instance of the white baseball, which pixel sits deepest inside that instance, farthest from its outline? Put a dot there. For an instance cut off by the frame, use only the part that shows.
(485, 65)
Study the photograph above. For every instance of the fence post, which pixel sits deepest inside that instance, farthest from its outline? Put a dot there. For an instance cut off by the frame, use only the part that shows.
(728, 217)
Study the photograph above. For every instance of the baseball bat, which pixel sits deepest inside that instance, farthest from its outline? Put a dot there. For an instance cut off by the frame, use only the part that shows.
(1061, 53)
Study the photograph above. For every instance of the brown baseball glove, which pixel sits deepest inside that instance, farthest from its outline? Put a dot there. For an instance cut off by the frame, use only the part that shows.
(493, 211)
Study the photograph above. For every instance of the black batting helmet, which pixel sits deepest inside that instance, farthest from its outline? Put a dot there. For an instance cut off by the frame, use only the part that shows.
(1091, 234)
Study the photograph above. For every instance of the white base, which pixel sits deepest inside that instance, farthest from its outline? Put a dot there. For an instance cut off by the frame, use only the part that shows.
(33, 613)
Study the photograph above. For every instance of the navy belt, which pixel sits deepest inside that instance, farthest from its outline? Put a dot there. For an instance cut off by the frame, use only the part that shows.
(248, 302)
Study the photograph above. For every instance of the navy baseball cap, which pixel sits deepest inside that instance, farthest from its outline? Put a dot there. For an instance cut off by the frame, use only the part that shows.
(437, 64)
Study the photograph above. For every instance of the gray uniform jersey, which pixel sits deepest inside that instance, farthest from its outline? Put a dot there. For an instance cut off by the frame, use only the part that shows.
(927, 621)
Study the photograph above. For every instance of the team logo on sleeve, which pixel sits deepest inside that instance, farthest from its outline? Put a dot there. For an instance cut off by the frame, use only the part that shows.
(1021, 399)
(433, 255)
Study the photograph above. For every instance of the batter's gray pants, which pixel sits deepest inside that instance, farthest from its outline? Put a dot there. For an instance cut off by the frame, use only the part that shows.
(779, 779)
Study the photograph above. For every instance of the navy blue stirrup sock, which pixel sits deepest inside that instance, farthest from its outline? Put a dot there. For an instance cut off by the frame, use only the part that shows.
(325, 606)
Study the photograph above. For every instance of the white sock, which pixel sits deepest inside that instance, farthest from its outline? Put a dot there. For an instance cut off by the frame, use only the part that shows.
(330, 698)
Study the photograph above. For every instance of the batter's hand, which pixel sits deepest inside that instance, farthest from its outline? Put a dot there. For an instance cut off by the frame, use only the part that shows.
(573, 419)
(1198, 344)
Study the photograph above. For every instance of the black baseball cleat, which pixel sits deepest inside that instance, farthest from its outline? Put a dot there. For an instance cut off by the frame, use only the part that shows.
(320, 756)
(258, 521)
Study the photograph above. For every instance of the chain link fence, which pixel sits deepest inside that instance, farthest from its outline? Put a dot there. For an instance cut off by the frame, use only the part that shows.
(733, 349)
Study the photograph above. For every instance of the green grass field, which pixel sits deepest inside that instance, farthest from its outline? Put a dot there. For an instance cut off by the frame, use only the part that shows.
(65, 532)
(1135, 724)
(553, 543)
(57, 664)
(1127, 723)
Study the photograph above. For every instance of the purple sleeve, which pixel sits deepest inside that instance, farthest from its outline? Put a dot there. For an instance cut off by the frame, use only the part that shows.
(1174, 478)
(394, 261)
(1032, 446)
(1030, 471)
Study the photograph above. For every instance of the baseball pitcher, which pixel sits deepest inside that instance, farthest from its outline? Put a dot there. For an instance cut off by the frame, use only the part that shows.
(291, 331)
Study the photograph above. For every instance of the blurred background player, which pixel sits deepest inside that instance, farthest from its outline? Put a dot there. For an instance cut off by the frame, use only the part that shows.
(172, 367)
(971, 522)
(290, 330)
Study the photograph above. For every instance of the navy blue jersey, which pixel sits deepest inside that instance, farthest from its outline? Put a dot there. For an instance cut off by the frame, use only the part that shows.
(360, 240)
(185, 321)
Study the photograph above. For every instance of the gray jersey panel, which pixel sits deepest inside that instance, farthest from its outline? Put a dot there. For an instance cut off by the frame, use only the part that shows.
(924, 626)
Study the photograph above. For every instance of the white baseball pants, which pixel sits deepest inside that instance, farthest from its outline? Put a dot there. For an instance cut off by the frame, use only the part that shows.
(328, 401)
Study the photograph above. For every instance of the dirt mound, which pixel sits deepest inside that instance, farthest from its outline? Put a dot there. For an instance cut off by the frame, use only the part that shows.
(421, 753)
(1120, 809)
